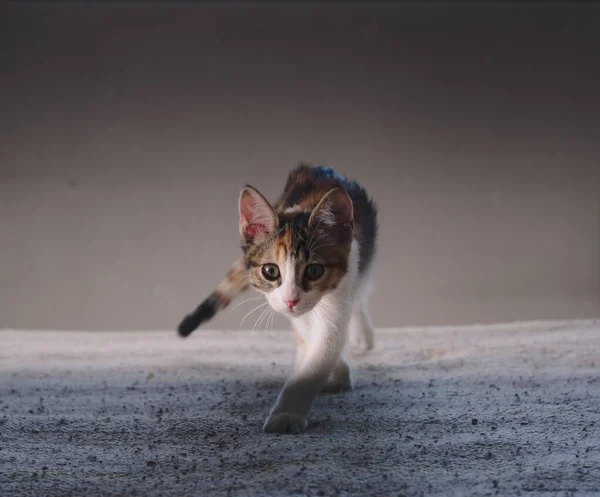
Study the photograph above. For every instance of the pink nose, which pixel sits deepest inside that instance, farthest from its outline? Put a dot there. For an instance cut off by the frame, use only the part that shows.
(291, 303)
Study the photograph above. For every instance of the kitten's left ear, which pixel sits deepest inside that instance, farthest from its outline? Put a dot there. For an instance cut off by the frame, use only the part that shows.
(257, 217)
(335, 210)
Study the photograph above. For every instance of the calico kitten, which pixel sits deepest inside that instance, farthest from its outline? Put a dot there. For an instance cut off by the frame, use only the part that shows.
(310, 254)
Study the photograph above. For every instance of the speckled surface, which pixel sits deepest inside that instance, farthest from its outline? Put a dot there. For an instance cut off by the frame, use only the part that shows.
(498, 410)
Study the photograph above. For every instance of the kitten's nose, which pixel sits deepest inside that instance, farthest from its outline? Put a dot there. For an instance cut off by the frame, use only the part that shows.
(291, 303)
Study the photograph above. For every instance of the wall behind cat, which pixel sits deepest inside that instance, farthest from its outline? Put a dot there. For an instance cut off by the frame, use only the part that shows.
(123, 152)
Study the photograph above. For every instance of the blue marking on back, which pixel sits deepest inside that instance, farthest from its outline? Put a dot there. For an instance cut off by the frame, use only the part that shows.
(329, 172)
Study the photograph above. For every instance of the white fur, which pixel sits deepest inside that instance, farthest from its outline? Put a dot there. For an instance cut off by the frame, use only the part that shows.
(324, 325)
(289, 289)
(360, 328)
(296, 208)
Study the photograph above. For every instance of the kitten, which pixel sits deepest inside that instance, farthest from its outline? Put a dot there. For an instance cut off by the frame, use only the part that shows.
(310, 254)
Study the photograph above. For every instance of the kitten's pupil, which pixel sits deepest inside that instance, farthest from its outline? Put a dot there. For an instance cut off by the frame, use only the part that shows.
(314, 271)
(270, 272)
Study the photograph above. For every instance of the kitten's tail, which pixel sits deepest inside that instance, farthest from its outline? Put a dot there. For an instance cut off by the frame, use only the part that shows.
(232, 285)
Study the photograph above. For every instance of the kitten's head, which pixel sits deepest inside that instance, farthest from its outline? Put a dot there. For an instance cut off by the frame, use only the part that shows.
(295, 258)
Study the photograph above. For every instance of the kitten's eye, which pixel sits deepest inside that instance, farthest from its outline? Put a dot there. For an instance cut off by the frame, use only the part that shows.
(314, 271)
(270, 271)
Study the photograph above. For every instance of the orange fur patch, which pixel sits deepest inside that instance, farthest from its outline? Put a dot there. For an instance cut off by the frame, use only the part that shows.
(299, 339)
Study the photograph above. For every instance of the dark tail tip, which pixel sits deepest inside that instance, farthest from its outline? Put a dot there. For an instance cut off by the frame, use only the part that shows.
(205, 311)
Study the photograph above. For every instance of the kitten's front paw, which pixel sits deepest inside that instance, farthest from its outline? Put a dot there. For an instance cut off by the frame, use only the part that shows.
(285, 422)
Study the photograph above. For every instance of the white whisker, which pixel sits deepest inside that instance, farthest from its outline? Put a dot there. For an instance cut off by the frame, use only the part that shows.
(264, 313)
(272, 319)
(319, 238)
(321, 246)
(313, 234)
(255, 309)
(243, 302)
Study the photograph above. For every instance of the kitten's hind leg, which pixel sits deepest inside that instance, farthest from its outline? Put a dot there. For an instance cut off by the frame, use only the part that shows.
(361, 334)
(339, 380)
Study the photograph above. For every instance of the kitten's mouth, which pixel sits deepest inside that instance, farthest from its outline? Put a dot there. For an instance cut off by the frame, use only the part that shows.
(295, 311)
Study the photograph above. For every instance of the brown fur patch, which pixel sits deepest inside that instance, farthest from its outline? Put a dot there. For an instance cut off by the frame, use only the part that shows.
(237, 274)
(222, 299)
(282, 245)
(330, 280)
(236, 280)
(305, 187)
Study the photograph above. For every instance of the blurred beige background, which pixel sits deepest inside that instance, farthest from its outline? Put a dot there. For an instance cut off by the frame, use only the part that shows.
(127, 132)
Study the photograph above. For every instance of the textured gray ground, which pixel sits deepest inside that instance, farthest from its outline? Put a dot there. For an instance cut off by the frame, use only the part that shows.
(501, 410)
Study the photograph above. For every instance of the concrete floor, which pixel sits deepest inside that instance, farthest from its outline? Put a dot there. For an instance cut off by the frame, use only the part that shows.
(498, 410)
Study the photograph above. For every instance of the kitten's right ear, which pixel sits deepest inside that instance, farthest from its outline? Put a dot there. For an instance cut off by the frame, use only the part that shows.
(257, 217)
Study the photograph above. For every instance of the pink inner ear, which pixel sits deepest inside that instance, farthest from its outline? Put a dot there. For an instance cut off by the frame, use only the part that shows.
(252, 230)
(257, 217)
(245, 209)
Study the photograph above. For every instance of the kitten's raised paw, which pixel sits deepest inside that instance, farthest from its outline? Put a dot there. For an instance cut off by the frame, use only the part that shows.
(285, 422)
